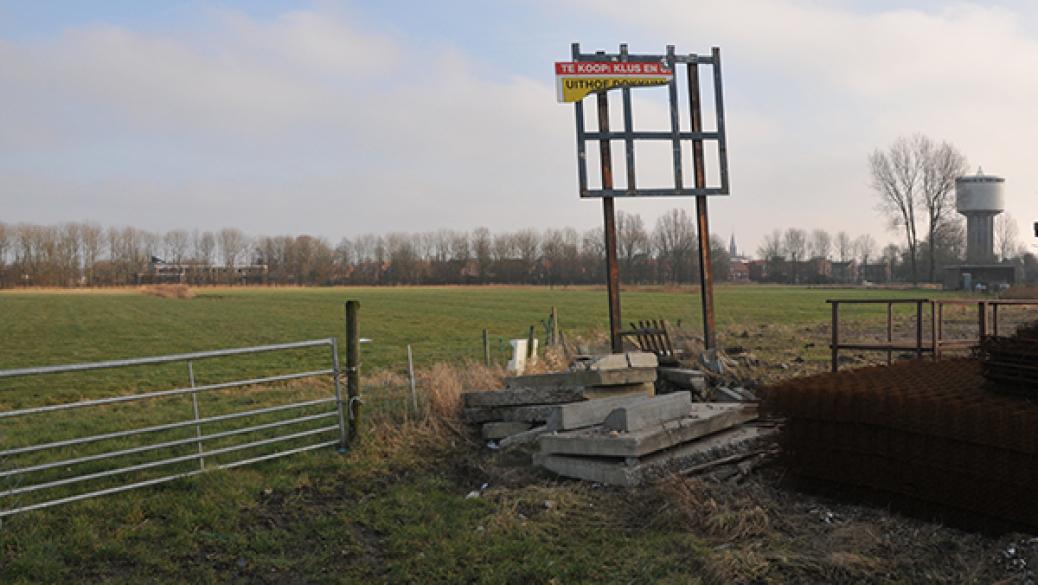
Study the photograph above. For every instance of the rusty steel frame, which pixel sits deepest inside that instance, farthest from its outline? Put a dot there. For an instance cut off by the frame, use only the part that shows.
(987, 325)
(629, 136)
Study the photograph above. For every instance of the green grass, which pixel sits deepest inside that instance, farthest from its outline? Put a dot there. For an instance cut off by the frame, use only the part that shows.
(392, 510)
(441, 323)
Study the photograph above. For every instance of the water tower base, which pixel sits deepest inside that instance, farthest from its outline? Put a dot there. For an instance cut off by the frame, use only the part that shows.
(989, 276)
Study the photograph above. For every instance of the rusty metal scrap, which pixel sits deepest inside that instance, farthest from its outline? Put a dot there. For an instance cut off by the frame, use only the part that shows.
(1010, 364)
(923, 435)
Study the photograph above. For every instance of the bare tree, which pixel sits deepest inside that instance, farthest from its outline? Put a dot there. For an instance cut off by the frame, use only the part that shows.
(917, 174)
(794, 241)
(528, 244)
(233, 244)
(771, 246)
(895, 178)
(205, 248)
(821, 244)
(940, 164)
(5, 239)
(482, 245)
(673, 237)
(91, 237)
(865, 246)
(175, 245)
(1006, 234)
(631, 241)
(844, 246)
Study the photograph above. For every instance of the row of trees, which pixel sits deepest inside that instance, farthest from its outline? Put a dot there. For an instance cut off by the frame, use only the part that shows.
(85, 254)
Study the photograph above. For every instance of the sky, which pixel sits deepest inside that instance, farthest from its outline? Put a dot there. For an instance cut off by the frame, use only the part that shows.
(343, 118)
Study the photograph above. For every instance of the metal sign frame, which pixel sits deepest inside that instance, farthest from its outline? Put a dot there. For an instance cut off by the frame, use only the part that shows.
(700, 191)
(697, 136)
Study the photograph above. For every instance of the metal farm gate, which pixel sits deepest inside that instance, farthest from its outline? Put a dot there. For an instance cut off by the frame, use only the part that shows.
(44, 474)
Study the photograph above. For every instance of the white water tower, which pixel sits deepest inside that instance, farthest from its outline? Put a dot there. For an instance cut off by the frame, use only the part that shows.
(980, 198)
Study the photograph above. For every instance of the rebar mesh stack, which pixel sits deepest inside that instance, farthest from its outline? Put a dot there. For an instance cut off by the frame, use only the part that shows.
(922, 434)
(1010, 364)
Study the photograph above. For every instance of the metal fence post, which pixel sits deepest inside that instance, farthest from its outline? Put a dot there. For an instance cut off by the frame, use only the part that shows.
(336, 372)
(890, 331)
(486, 348)
(410, 374)
(836, 335)
(353, 367)
(194, 407)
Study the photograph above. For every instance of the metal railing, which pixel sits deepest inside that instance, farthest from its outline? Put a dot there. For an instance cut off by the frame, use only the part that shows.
(310, 425)
(932, 342)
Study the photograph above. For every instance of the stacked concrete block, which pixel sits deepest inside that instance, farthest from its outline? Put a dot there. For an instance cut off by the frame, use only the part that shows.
(639, 439)
(559, 400)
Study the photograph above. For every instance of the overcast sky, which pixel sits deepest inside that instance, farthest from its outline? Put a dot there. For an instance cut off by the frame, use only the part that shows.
(339, 118)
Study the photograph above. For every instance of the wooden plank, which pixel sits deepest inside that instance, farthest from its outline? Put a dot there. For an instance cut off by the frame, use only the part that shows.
(523, 396)
(598, 441)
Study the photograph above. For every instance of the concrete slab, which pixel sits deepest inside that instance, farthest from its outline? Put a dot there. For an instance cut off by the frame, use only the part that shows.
(651, 412)
(493, 431)
(705, 419)
(522, 438)
(613, 361)
(642, 359)
(630, 473)
(535, 413)
(683, 377)
(599, 392)
(588, 413)
(584, 378)
(523, 396)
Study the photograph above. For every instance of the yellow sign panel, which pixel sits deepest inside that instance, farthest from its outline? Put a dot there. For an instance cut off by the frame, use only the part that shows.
(576, 80)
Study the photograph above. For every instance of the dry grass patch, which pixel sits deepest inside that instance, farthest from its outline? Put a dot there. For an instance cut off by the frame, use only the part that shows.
(168, 291)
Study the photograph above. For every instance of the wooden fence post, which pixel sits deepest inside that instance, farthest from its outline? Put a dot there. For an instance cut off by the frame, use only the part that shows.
(352, 367)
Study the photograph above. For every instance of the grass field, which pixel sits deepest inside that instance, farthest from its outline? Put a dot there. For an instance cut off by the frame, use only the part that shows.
(394, 508)
(441, 323)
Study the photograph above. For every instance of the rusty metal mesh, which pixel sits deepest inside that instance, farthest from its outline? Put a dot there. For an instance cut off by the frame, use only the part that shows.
(1010, 364)
(925, 433)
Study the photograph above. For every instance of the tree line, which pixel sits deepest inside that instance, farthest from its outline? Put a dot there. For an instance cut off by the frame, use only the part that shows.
(86, 254)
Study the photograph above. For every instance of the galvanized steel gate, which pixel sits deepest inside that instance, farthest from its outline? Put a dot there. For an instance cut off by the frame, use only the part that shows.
(326, 435)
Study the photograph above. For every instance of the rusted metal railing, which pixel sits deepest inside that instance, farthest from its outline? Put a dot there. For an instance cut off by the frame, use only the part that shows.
(933, 342)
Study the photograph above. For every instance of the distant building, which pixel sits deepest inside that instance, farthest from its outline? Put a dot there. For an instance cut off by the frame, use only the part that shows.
(878, 272)
(739, 270)
(816, 270)
(844, 272)
(161, 272)
(758, 270)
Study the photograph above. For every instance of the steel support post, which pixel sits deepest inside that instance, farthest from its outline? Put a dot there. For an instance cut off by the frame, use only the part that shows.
(609, 223)
(706, 271)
